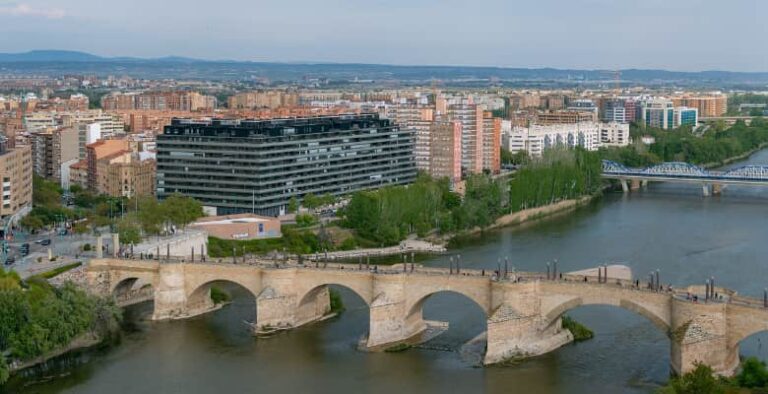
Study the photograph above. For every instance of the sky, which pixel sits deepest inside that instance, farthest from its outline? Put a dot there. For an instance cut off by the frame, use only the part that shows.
(685, 35)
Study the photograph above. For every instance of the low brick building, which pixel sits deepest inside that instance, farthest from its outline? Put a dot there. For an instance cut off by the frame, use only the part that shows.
(243, 226)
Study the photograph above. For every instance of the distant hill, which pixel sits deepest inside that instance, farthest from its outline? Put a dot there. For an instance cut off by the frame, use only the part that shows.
(57, 62)
(49, 56)
(52, 55)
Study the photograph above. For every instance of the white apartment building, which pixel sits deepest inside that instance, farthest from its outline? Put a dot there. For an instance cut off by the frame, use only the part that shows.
(111, 125)
(614, 134)
(537, 138)
(88, 133)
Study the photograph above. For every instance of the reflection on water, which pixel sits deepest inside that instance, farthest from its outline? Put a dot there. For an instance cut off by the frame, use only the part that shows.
(669, 227)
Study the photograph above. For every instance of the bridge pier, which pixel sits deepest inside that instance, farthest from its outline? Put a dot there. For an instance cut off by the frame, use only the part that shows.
(717, 189)
(171, 300)
(644, 183)
(705, 190)
(517, 329)
(513, 334)
(699, 334)
(635, 184)
(624, 185)
(390, 322)
(280, 311)
(314, 306)
(99, 247)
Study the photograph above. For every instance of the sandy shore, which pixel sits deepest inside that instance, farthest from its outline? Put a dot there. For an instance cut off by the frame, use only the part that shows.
(615, 271)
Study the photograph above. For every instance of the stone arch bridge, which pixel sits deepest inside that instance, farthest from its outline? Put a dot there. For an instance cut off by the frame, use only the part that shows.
(523, 310)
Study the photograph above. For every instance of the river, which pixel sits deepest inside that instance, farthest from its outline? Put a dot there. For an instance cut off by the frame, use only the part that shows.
(667, 227)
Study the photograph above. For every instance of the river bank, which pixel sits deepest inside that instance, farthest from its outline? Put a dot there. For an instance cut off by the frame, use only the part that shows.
(743, 156)
(407, 246)
(521, 217)
(83, 342)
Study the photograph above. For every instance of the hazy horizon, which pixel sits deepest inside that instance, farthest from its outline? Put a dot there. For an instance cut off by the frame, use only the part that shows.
(684, 35)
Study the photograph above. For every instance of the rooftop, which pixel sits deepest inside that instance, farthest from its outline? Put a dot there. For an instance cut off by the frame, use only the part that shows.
(229, 219)
(255, 128)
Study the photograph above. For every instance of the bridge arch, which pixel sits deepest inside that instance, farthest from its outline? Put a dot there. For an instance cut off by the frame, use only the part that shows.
(744, 322)
(748, 342)
(308, 295)
(313, 292)
(659, 320)
(415, 308)
(359, 282)
(471, 319)
(125, 283)
(199, 297)
(124, 286)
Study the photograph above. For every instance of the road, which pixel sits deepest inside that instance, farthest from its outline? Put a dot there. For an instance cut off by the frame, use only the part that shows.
(67, 249)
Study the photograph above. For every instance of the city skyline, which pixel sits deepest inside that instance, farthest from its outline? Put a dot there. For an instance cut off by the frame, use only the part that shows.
(586, 34)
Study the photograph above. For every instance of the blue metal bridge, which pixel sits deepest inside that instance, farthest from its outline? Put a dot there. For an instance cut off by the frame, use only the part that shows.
(752, 175)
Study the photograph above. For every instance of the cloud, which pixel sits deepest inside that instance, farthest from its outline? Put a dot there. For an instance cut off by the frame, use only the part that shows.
(22, 9)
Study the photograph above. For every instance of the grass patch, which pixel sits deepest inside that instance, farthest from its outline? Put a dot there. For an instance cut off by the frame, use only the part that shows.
(58, 271)
(579, 331)
(219, 296)
(293, 240)
(337, 305)
(398, 348)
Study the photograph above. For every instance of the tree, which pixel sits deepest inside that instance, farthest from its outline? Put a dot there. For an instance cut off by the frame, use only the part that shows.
(327, 199)
(180, 210)
(9, 280)
(129, 231)
(4, 371)
(311, 201)
(305, 220)
(150, 216)
(44, 192)
(699, 381)
(31, 222)
(519, 158)
(753, 374)
(293, 205)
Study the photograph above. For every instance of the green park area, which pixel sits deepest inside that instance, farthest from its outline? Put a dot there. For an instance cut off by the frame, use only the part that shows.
(37, 319)
(716, 145)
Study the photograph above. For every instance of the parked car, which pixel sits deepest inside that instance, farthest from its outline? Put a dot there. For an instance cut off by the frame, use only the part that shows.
(10, 260)
(45, 242)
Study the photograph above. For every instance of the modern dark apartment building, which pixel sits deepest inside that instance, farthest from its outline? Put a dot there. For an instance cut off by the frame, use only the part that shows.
(256, 166)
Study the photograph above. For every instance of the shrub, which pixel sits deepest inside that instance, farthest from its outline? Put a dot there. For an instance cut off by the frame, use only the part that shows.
(218, 295)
